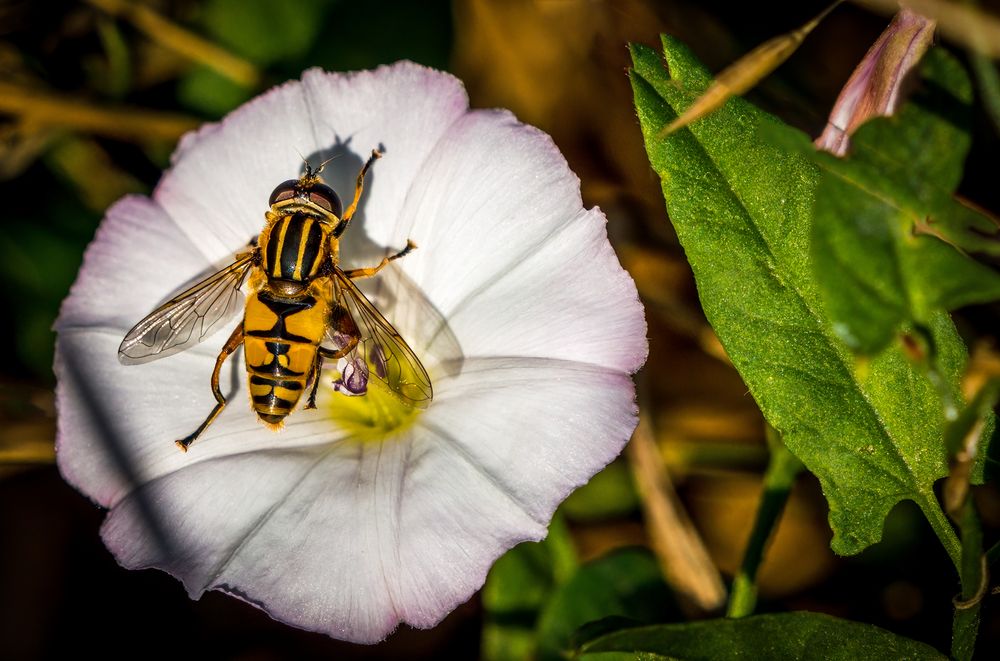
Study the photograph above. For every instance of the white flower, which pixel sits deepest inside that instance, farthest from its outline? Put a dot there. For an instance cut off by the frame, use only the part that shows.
(329, 525)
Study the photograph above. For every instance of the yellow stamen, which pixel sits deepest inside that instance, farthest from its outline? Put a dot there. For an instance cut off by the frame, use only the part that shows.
(373, 417)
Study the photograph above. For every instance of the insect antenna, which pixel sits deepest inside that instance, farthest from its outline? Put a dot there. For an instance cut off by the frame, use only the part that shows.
(314, 174)
(325, 163)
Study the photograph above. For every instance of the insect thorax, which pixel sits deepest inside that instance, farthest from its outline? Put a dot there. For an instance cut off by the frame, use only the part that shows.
(294, 247)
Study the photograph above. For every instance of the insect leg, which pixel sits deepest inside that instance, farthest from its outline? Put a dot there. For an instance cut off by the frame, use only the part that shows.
(358, 187)
(233, 343)
(314, 379)
(322, 353)
(372, 270)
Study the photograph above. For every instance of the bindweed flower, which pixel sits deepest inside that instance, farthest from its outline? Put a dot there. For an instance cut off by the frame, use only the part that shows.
(879, 83)
(361, 513)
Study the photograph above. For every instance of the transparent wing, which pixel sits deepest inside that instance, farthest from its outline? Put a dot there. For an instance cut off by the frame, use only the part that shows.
(416, 318)
(188, 318)
(385, 354)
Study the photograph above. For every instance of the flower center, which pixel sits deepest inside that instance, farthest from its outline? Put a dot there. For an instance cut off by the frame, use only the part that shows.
(374, 416)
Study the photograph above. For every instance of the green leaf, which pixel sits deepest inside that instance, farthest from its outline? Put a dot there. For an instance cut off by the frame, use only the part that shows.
(517, 588)
(625, 656)
(782, 637)
(742, 209)
(609, 494)
(881, 214)
(626, 583)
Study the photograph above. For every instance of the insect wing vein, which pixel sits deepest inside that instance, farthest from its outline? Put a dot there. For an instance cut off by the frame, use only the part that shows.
(188, 318)
(386, 354)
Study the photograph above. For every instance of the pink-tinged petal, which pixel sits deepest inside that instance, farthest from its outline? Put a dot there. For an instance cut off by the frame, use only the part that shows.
(351, 539)
(879, 82)
(223, 174)
(137, 258)
(322, 530)
(152, 405)
(490, 195)
(403, 110)
(292, 532)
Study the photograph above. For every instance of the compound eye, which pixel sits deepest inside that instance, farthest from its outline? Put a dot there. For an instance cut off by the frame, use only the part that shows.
(284, 191)
(326, 198)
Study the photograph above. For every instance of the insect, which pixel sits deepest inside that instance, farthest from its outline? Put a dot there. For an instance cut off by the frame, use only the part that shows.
(301, 309)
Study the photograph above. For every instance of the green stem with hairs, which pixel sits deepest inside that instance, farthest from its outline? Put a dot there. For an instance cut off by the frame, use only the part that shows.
(782, 468)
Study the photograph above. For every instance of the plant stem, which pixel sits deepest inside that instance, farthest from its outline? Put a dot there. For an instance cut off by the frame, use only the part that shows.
(967, 555)
(964, 438)
(989, 85)
(944, 531)
(993, 554)
(965, 624)
(686, 563)
(39, 108)
(782, 468)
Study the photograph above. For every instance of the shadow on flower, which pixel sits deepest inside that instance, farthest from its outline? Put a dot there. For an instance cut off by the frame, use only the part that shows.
(363, 513)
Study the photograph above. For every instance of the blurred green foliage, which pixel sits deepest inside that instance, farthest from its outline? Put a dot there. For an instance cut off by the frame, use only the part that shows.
(609, 494)
(284, 37)
(40, 251)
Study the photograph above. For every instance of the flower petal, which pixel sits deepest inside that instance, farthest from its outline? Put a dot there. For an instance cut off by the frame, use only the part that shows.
(140, 410)
(516, 425)
(218, 188)
(509, 255)
(352, 539)
(295, 542)
(569, 300)
(402, 110)
(223, 174)
(148, 407)
(316, 543)
(492, 192)
(321, 530)
(135, 251)
(520, 420)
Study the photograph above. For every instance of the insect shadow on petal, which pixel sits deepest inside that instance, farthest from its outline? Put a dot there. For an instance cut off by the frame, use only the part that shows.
(301, 308)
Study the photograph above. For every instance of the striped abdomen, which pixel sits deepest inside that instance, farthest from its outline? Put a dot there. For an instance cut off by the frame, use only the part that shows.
(281, 335)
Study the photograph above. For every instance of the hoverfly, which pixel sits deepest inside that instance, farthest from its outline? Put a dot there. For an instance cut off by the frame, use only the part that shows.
(301, 309)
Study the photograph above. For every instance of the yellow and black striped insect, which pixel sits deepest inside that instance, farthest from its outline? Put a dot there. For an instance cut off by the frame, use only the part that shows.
(301, 308)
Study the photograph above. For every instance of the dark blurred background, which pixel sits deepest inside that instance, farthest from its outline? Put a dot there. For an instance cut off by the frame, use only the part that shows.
(93, 97)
